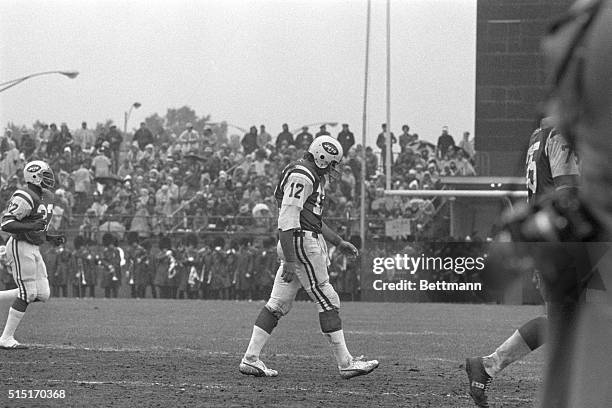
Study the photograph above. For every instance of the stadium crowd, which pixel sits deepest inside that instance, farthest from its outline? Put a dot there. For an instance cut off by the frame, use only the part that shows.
(137, 190)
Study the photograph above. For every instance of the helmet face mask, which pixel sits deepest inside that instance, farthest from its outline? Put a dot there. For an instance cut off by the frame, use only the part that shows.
(334, 173)
(40, 174)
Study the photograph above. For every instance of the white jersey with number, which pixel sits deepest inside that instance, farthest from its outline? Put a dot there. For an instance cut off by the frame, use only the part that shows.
(300, 194)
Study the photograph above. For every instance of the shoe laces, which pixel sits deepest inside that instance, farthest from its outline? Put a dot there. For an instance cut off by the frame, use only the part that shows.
(488, 382)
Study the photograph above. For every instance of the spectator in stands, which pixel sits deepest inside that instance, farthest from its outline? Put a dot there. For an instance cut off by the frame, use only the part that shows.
(8, 135)
(7, 189)
(173, 189)
(126, 169)
(284, 137)
(445, 143)
(55, 144)
(147, 158)
(82, 186)
(348, 183)
(10, 162)
(43, 134)
(189, 140)
(111, 262)
(84, 136)
(63, 162)
(210, 139)
(263, 138)
(28, 145)
(322, 131)
(381, 142)
(143, 136)
(141, 220)
(405, 139)
(90, 225)
(61, 268)
(371, 163)
(346, 139)
(98, 206)
(467, 145)
(259, 165)
(65, 135)
(114, 139)
(101, 164)
(249, 141)
(464, 167)
(303, 139)
(432, 168)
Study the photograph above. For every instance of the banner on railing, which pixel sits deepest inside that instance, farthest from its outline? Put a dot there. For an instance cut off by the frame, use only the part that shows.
(398, 228)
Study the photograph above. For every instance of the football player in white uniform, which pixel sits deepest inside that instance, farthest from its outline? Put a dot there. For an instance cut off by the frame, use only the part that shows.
(300, 194)
(27, 219)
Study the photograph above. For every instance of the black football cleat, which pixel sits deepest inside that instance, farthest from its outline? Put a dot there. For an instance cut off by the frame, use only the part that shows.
(479, 381)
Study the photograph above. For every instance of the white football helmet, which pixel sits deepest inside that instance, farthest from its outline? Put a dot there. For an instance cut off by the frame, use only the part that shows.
(39, 173)
(327, 153)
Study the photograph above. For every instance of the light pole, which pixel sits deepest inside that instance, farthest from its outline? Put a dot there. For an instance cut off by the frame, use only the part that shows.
(126, 115)
(9, 84)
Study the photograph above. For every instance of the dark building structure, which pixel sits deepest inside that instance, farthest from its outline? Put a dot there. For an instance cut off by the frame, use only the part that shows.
(510, 79)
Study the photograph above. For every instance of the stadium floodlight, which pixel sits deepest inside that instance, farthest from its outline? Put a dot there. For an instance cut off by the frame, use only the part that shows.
(126, 115)
(12, 83)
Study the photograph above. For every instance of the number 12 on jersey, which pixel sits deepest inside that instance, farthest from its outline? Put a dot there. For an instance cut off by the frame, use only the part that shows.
(296, 190)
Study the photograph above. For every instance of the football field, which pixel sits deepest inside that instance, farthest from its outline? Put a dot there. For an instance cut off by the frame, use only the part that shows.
(175, 353)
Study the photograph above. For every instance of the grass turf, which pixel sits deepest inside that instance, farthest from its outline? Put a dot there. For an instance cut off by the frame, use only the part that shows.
(160, 353)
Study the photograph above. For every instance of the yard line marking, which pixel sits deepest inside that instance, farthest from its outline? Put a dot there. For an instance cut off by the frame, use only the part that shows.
(168, 350)
(398, 333)
(216, 386)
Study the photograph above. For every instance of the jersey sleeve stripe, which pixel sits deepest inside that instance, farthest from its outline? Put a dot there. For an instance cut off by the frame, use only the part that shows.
(306, 171)
(25, 196)
(7, 219)
(282, 183)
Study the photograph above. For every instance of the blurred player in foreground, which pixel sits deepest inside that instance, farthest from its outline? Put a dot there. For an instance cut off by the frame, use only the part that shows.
(27, 220)
(551, 165)
(579, 54)
(300, 193)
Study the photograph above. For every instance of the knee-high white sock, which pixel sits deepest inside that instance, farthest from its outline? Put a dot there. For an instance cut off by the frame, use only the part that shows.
(338, 346)
(258, 340)
(13, 320)
(9, 294)
(511, 350)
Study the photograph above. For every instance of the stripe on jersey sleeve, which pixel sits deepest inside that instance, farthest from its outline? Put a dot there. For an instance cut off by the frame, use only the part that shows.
(26, 196)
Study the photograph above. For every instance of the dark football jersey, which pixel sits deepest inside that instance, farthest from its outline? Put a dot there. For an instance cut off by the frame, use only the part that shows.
(549, 156)
(22, 206)
(301, 186)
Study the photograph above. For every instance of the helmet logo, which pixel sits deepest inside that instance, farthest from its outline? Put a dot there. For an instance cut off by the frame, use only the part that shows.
(330, 148)
(33, 168)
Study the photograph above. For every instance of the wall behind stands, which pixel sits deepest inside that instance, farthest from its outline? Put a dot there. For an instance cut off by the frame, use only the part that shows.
(510, 77)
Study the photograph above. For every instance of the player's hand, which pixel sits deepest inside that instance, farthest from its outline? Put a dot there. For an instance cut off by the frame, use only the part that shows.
(347, 248)
(37, 222)
(289, 269)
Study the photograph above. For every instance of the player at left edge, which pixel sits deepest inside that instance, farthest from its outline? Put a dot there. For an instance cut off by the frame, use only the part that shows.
(26, 219)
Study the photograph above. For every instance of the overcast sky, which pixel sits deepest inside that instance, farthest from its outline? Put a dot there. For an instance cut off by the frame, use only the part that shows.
(246, 62)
